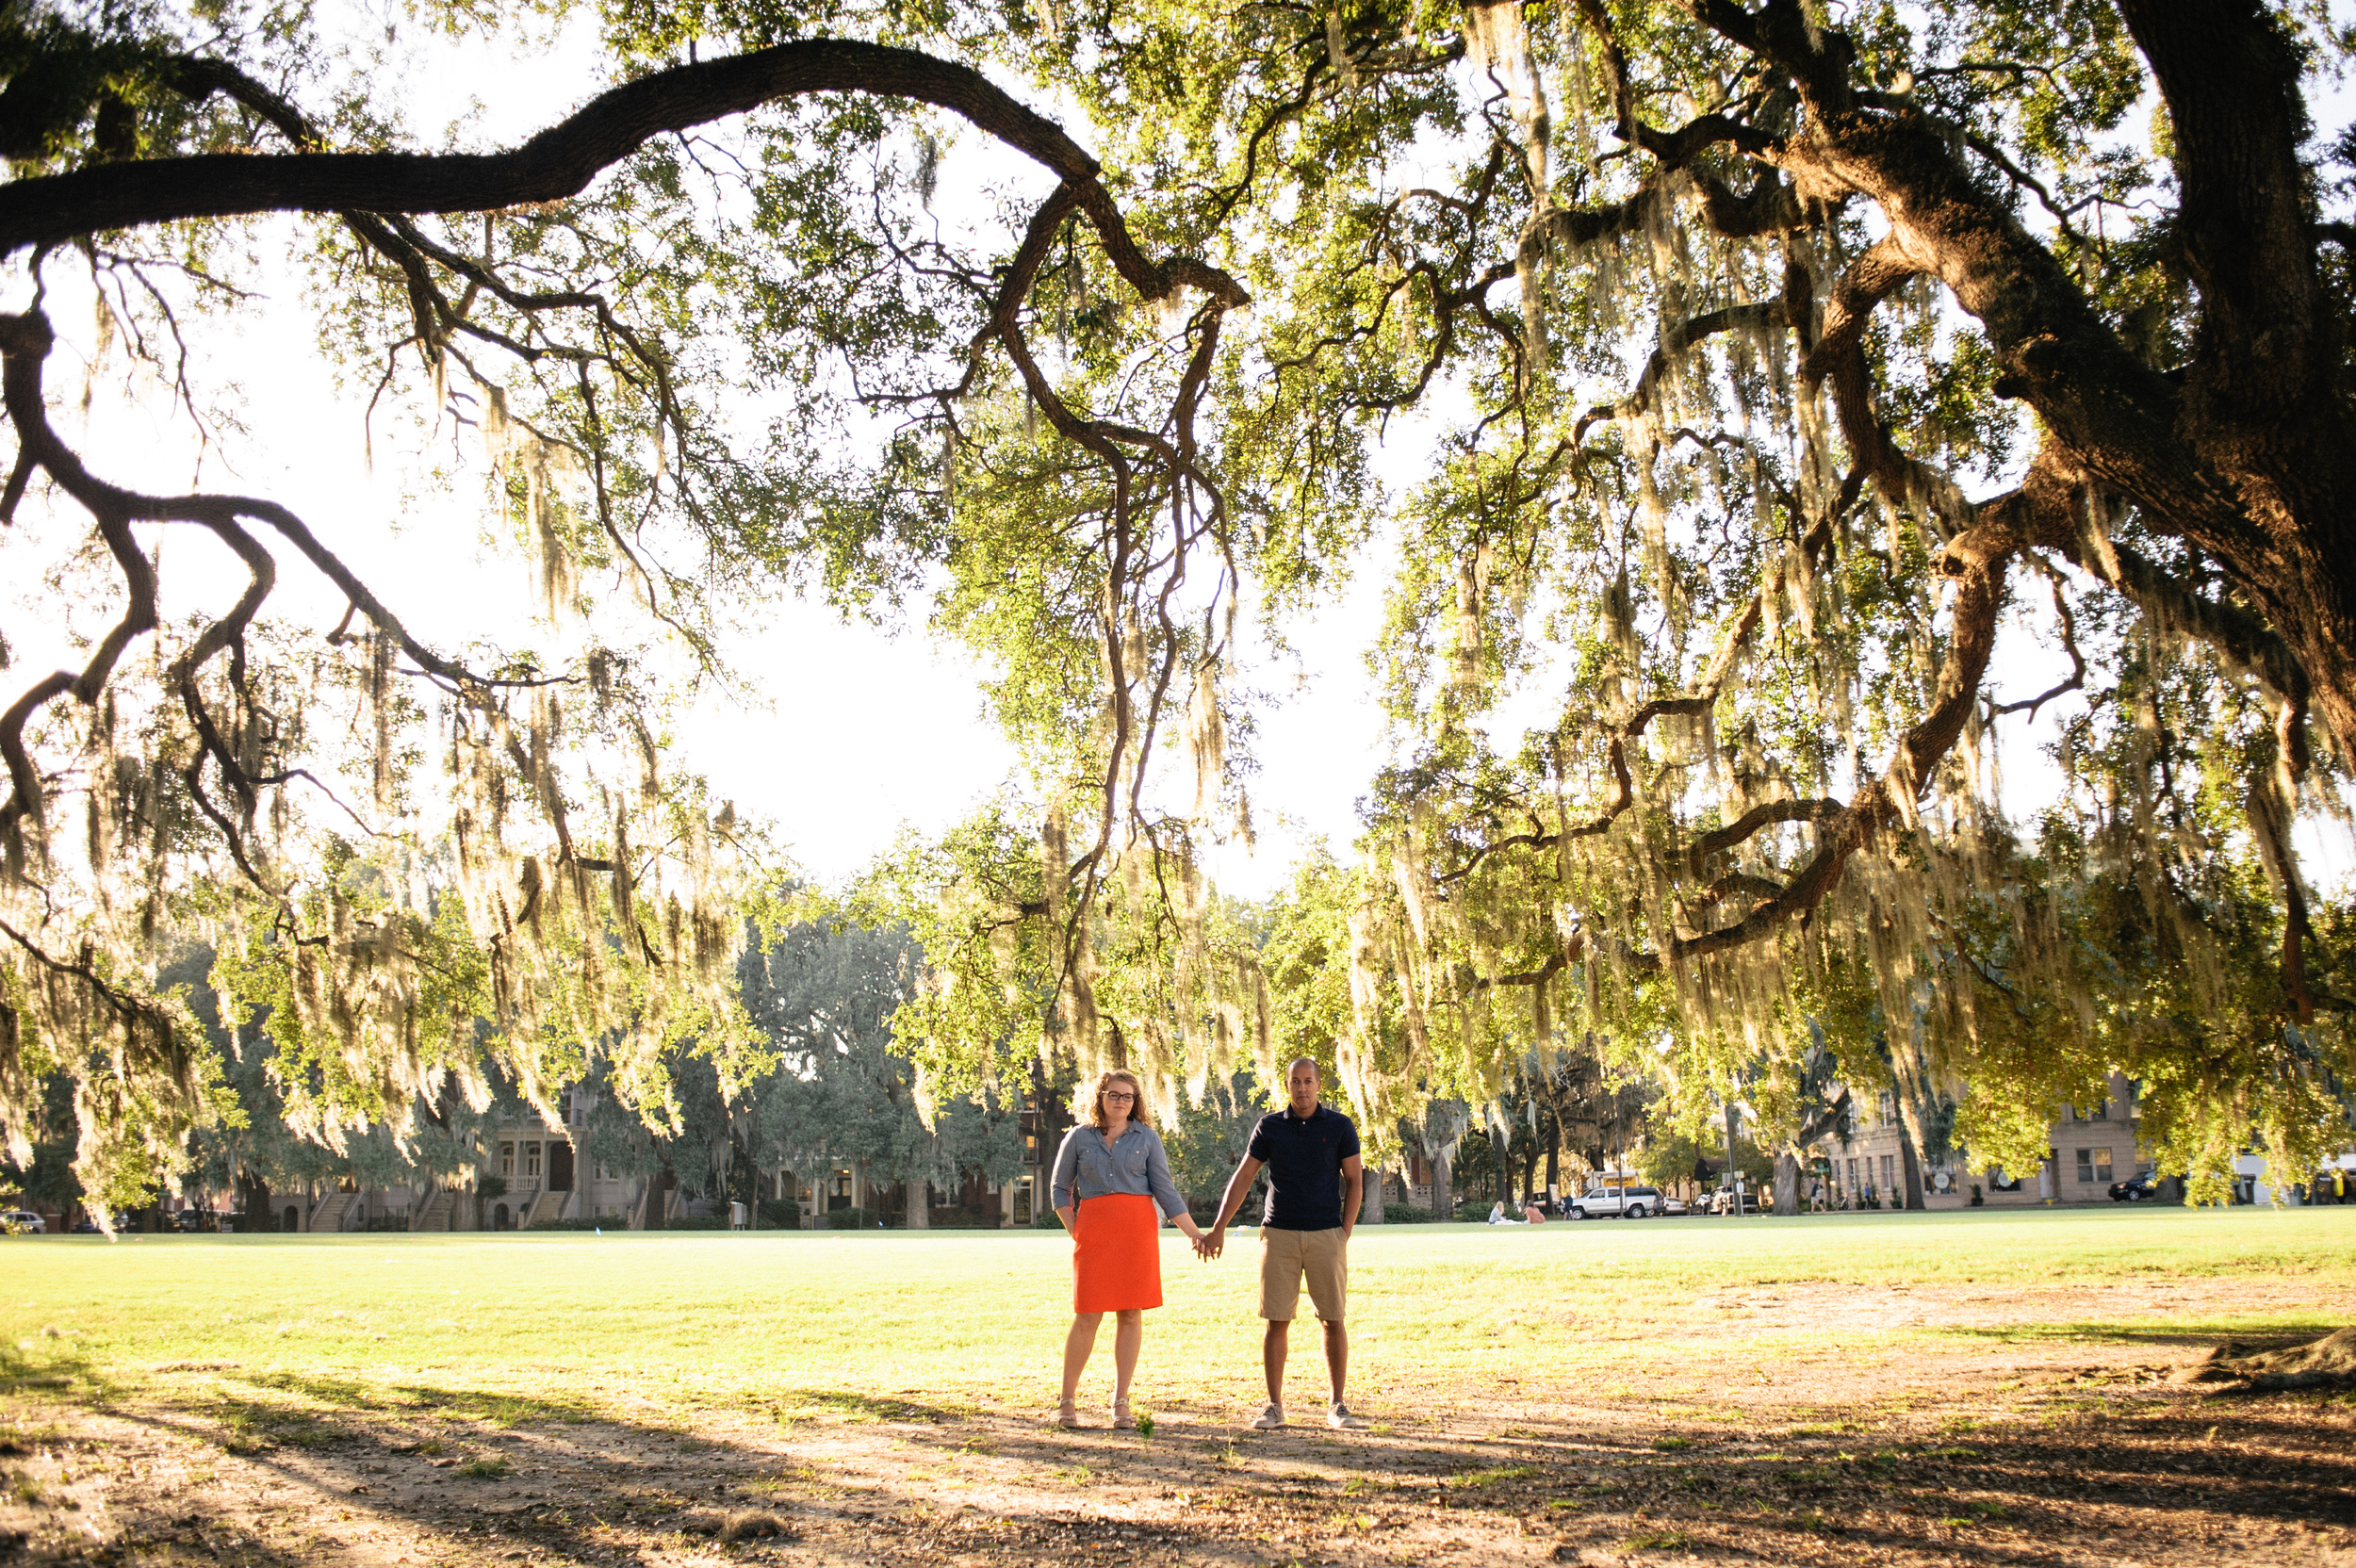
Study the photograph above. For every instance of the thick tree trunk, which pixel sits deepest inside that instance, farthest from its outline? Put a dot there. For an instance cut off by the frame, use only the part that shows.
(918, 1204)
(1371, 1199)
(1786, 1183)
(253, 1200)
(1912, 1164)
(658, 1198)
(1554, 1169)
(1443, 1201)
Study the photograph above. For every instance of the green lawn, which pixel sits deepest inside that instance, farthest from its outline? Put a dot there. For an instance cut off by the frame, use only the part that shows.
(785, 1321)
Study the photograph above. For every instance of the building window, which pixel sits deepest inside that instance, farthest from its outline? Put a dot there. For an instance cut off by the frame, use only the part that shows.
(1888, 1184)
(507, 1159)
(1854, 1189)
(532, 1159)
(2094, 1165)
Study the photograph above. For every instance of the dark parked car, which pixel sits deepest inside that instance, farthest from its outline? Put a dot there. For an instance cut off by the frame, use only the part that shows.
(2136, 1189)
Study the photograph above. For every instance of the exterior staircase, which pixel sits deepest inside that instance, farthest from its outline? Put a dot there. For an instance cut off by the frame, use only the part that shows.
(435, 1215)
(328, 1218)
(547, 1205)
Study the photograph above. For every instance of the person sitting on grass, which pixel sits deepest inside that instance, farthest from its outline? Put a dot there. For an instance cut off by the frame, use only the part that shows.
(1532, 1213)
(1316, 1180)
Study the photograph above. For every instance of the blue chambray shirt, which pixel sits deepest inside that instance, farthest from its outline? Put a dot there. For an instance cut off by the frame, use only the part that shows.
(1088, 1167)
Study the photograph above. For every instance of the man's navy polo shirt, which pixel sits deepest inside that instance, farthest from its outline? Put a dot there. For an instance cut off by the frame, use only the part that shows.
(1304, 1160)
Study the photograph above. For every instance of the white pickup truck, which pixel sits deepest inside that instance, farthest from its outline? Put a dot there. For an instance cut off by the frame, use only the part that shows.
(1626, 1203)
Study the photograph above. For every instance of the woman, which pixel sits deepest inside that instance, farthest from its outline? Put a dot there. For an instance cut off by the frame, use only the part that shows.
(1110, 1175)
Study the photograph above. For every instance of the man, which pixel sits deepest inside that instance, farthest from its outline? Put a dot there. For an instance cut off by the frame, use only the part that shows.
(1315, 1177)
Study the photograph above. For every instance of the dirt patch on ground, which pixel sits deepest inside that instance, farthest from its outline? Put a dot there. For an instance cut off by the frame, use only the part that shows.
(1972, 1427)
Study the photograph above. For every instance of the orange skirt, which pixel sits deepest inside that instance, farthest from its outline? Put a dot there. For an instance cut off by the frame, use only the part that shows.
(1116, 1253)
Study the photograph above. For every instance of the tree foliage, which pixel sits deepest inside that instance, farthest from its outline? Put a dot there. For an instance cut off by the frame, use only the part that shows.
(1772, 364)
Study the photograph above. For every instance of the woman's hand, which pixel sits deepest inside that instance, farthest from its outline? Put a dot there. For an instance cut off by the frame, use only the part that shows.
(1066, 1213)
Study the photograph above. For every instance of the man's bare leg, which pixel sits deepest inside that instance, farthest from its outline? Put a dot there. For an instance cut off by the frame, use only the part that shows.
(1272, 1351)
(1337, 1358)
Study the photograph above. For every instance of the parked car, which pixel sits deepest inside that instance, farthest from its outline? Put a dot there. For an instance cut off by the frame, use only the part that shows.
(2134, 1189)
(23, 1222)
(1626, 1203)
(1723, 1201)
(1672, 1206)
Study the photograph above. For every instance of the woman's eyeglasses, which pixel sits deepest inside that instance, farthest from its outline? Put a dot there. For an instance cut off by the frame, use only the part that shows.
(1123, 1099)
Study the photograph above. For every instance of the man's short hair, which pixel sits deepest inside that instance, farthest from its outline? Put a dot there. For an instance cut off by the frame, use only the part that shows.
(1309, 1062)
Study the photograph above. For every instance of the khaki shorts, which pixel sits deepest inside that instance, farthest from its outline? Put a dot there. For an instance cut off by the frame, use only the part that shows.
(1286, 1257)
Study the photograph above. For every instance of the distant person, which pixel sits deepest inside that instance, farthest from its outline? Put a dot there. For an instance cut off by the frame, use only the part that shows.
(2339, 1185)
(1310, 1152)
(1496, 1212)
(1110, 1175)
(1533, 1212)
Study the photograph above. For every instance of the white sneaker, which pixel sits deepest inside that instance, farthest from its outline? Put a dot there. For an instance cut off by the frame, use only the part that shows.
(1341, 1418)
(1271, 1417)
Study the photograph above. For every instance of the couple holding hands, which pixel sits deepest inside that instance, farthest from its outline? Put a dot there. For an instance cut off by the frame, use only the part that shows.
(1113, 1189)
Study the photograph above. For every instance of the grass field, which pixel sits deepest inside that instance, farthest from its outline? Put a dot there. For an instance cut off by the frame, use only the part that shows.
(575, 1320)
(829, 1344)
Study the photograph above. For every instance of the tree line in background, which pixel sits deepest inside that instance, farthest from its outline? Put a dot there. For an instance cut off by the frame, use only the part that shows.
(843, 1092)
(1770, 365)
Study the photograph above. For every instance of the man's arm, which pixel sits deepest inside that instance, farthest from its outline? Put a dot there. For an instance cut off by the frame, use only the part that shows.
(1238, 1188)
(1354, 1191)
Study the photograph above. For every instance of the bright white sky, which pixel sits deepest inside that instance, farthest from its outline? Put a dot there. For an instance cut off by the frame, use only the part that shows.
(864, 730)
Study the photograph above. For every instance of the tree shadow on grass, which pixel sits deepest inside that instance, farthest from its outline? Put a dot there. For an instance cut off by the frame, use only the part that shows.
(2178, 1337)
(310, 1469)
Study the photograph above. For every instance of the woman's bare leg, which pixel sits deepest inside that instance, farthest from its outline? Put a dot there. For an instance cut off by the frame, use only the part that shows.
(1128, 1335)
(1076, 1347)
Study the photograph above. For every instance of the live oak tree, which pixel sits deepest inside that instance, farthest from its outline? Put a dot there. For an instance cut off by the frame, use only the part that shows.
(1764, 358)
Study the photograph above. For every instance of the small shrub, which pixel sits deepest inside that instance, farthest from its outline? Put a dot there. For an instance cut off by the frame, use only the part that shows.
(491, 1469)
(1496, 1474)
(1405, 1214)
(1661, 1540)
(850, 1219)
(781, 1214)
